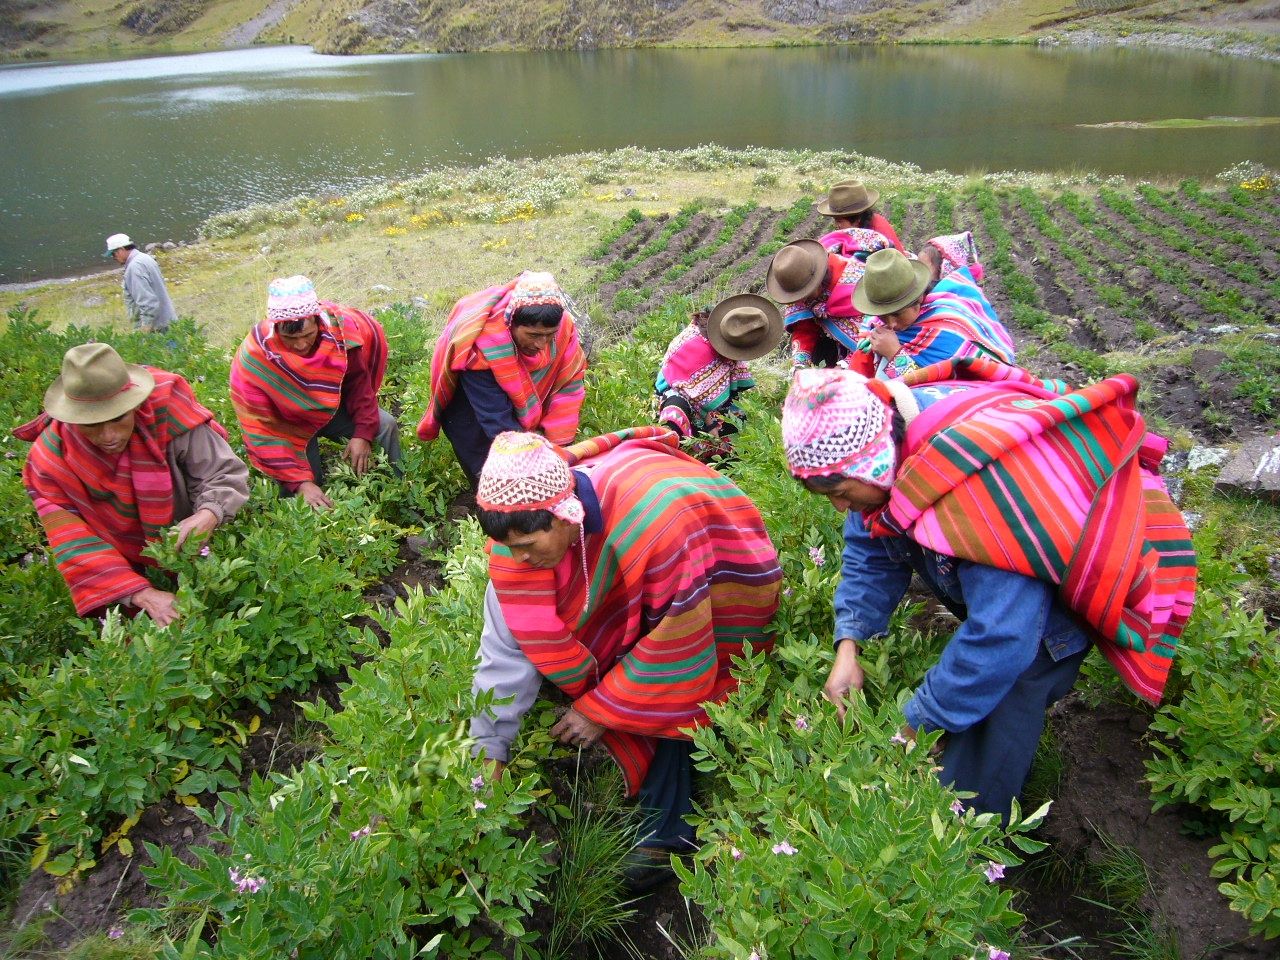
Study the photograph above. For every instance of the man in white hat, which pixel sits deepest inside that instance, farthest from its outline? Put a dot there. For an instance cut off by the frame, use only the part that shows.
(145, 296)
(121, 453)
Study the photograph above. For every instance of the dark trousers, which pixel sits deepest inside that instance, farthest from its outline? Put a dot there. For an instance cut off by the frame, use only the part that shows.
(470, 443)
(992, 758)
(342, 427)
(666, 796)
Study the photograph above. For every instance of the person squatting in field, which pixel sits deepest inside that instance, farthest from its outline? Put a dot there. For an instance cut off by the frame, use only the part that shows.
(924, 311)
(851, 207)
(815, 287)
(705, 370)
(1037, 517)
(629, 574)
(508, 359)
(311, 369)
(121, 452)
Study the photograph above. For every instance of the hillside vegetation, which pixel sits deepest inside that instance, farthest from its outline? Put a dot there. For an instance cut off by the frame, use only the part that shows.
(41, 28)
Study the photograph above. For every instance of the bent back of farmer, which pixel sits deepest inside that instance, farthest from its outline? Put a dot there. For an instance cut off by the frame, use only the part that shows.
(311, 369)
(629, 574)
(121, 452)
(1038, 518)
(508, 359)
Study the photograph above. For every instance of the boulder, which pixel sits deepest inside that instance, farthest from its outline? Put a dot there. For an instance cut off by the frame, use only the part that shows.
(1254, 471)
(379, 288)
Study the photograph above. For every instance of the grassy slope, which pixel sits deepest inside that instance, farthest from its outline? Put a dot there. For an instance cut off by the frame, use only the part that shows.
(92, 27)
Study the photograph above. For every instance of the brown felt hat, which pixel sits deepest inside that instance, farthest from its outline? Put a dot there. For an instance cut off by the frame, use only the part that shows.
(744, 327)
(847, 198)
(96, 386)
(890, 283)
(797, 271)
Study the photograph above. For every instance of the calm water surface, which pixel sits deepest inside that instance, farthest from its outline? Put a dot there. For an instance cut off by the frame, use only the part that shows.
(153, 146)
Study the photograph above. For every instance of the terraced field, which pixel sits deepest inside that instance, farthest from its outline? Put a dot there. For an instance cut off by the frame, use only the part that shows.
(1181, 285)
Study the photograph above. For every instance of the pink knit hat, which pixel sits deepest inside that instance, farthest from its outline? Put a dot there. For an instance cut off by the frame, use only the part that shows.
(292, 298)
(834, 423)
(533, 289)
(525, 472)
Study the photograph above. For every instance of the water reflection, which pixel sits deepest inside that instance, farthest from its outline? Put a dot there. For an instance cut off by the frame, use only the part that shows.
(153, 146)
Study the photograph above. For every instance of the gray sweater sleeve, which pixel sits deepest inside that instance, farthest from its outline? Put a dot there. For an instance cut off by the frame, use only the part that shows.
(144, 292)
(214, 478)
(504, 669)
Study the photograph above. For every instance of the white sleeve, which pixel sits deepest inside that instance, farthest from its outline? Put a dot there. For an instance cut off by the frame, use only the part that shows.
(504, 669)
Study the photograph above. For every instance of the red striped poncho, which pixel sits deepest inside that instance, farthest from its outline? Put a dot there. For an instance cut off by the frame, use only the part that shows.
(681, 576)
(98, 510)
(546, 391)
(283, 399)
(1063, 488)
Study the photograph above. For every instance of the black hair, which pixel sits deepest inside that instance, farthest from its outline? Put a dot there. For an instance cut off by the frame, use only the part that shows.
(127, 246)
(500, 525)
(862, 219)
(538, 315)
(291, 328)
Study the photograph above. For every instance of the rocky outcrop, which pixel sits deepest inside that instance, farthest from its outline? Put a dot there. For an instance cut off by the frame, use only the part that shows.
(153, 17)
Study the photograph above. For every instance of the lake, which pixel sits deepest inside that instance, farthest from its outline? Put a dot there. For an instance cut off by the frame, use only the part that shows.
(153, 146)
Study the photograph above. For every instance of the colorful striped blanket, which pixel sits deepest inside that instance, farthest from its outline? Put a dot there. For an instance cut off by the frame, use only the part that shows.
(693, 369)
(546, 391)
(681, 576)
(1063, 488)
(957, 321)
(283, 399)
(99, 511)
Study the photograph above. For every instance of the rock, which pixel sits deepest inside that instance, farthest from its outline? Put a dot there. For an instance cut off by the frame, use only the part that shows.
(149, 247)
(169, 245)
(188, 834)
(420, 302)
(94, 301)
(419, 546)
(1201, 457)
(1193, 520)
(265, 250)
(1223, 329)
(1174, 486)
(1255, 470)
(631, 192)
(379, 288)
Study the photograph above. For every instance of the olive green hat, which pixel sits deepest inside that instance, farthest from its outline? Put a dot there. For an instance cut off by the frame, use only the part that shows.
(96, 386)
(890, 282)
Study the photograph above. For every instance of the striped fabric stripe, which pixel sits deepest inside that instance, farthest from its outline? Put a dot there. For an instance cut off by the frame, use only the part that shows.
(1063, 488)
(282, 399)
(682, 576)
(693, 369)
(100, 511)
(546, 391)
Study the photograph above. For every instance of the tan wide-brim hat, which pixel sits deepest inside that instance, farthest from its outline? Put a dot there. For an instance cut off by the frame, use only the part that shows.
(891, 282)
(744, 327)
(797, 271)
(846, 198)
(96, 386)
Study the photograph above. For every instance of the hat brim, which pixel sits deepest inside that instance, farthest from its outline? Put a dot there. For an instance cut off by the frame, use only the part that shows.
(768, 343)
(861, 303)
(62, 408)
(824, 206)
(815, 283)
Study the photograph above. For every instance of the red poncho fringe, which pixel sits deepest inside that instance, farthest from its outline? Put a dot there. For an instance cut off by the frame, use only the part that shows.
(100, 511)
(681, 576)
(1061, 488)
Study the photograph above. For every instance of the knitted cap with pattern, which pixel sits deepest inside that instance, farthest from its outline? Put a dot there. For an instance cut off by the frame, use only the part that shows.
(291, 298)
(833, 424)
(524, 471)
(534, 288)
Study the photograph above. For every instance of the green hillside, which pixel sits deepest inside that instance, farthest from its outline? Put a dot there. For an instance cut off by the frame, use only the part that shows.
(33, 29)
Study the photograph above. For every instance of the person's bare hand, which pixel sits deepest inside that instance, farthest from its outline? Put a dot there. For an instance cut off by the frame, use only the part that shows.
(846, 676)
(357, 454)
(495, 769)
(199, 525)
(159, 605)
(313, 496)
(885, 342)
(576, 730)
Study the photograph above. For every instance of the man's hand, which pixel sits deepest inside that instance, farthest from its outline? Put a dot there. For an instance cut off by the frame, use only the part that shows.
(156, 604)
(576, 730)
(313, 496)
(357, 454)
(885, 342)
(846, 676)
(495, 769)
(199, 525)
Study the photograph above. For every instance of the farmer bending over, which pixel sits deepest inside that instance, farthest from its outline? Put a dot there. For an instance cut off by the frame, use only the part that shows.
(508, 359)
(629, 574)
(120, 453)
(1038, 519)
(311, 369)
